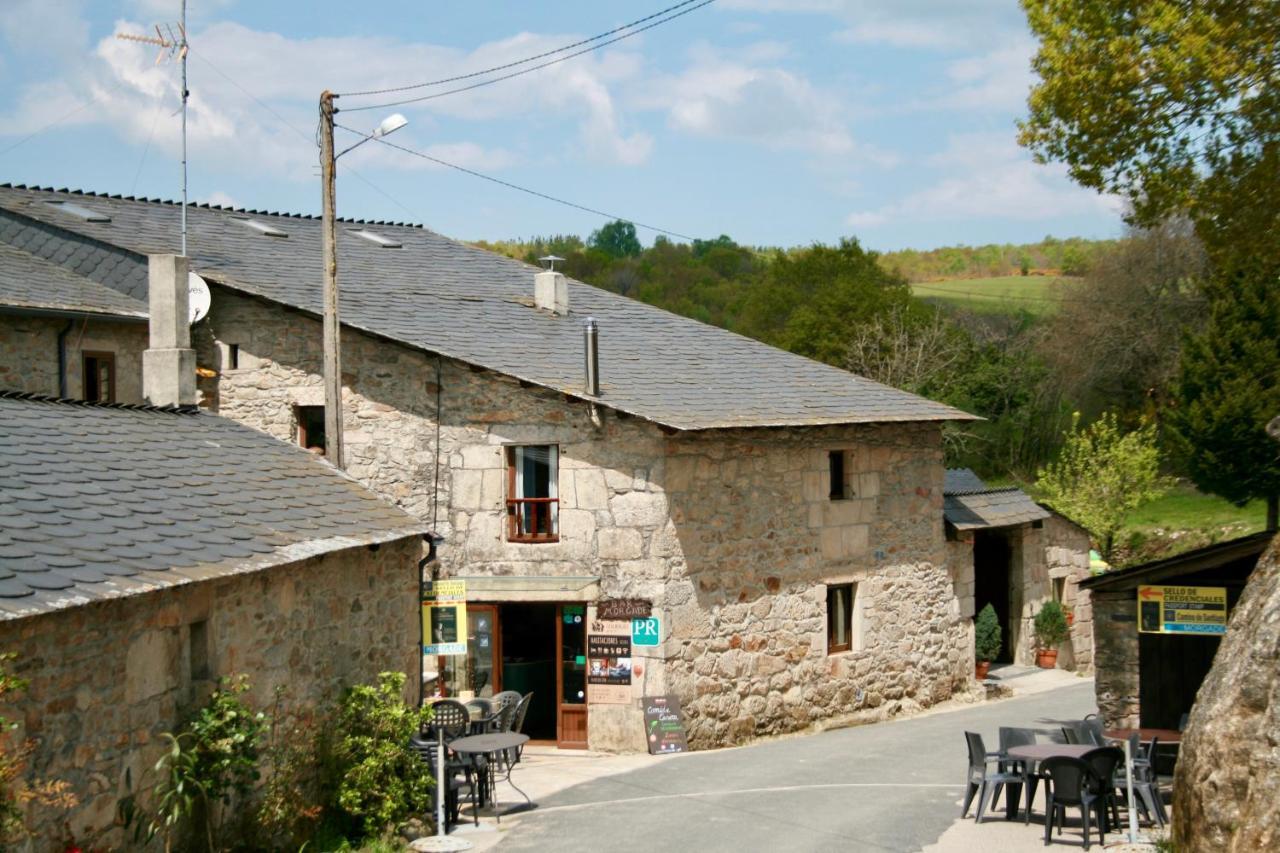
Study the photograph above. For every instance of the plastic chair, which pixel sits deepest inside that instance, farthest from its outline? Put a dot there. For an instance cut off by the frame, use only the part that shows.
(479, 708)
(1071, 782)
(426, 750)
(1009, 738)
(1146, 785)
(1105, 760)
(517, 725)
(979, 776)
(451, 716)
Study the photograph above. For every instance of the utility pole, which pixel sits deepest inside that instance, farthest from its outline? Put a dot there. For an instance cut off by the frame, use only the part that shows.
(332, 329)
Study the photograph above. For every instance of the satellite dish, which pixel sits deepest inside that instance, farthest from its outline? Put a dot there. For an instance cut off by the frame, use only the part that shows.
(197, 297)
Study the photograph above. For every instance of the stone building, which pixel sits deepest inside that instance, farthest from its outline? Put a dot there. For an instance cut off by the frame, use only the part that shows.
(145, 553)
(1151, 679)
(782, 519)
(1015, 554)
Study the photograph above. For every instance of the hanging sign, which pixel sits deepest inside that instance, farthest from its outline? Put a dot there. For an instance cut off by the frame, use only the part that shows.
(623, 608)
(444, 618)
(609, 663)
(646, 632)
(1182, 610)
(663, 726)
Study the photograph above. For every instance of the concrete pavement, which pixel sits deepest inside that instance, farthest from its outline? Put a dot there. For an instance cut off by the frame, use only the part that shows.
(890, 786)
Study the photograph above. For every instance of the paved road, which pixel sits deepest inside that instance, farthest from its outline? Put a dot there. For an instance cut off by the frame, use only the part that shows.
(893, 786)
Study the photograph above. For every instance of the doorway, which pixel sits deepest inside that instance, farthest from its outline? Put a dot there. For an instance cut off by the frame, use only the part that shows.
(991, 563)
(529, 663)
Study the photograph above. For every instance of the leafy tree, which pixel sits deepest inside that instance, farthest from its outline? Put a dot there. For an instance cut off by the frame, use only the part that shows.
(1101, 475)
(1227, 390)
(617, 240)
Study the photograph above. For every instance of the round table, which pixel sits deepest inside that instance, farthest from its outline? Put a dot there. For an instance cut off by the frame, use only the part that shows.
(494, 745)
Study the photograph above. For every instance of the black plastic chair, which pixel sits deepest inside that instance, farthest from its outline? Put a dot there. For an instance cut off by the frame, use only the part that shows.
(1146, 785)
(451, 716)
(517, 725)
(1105, 760)
(479, 708)
(1009, 738)
(1071, 782)
(452, 784)
(979, 776)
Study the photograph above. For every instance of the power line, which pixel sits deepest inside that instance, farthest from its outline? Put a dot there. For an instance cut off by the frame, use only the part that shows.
(510, 185)
(523, 71)
(524, 61)
(57, 121)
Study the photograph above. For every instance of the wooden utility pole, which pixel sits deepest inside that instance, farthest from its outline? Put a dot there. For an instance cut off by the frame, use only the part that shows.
(332, 329)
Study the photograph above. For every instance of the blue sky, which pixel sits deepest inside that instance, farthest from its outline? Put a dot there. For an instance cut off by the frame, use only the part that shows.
(778, 122)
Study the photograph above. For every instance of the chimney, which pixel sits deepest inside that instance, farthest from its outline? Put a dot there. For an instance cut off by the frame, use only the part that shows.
(550, 289)
(169, 364)
(591, 346)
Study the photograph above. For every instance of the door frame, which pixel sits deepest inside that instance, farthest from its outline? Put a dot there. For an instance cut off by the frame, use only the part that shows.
(561, 705)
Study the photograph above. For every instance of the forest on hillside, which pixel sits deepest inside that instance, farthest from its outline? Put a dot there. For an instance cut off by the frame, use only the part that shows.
(1112, 344)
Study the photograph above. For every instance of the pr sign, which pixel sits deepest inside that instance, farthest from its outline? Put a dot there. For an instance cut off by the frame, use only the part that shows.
(1182, 610)
(646, 632)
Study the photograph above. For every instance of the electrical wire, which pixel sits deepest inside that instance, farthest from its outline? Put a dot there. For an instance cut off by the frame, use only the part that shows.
(524, 71)
(517, 187)
(524, 61)
(60, 119)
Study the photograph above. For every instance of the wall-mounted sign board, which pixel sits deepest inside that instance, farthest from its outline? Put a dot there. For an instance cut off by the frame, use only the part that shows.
(1182, 610)
(609, 663)
(623, 608)
(646, 632)
(444, 618)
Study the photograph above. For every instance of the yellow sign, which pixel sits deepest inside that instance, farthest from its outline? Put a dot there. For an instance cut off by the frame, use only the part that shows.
(1182, 610)
(444, 618)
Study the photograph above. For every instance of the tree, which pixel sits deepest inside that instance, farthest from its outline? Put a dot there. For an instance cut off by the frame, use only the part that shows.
(1101, 475)
(1227, 390)
(617, 239)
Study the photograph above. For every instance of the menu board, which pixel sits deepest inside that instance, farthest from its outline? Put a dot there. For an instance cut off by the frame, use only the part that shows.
(663, 725)
(609, 663)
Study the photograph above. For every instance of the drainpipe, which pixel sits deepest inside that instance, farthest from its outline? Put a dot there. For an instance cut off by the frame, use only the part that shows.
(62, 358)
(591, 351)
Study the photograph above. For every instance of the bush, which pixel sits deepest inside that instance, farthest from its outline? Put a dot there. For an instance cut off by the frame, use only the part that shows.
(294, 784)
(986, 635)
(381, 781)
(1051, 625)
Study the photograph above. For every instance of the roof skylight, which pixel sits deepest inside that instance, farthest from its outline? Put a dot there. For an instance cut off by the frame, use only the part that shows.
(376, 238)
(264, 228)
(78, 211)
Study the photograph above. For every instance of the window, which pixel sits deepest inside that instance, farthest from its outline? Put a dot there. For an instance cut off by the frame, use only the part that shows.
(1060, 590)
(839, 618)
(233, 356)
(835, 462)
(99, 376)
(533, 493)
(311, 427)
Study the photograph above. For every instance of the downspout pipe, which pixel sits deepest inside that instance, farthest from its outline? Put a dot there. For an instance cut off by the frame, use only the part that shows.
(62, 358)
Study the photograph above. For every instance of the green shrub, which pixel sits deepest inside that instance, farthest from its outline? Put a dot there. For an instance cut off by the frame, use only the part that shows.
(986, 635)
(380, 781)
(1051, 625)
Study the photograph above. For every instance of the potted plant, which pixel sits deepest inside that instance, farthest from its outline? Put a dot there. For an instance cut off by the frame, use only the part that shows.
(1051, 632)
(986, 640)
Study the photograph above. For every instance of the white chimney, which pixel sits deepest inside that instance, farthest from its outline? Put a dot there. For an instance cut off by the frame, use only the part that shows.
(550, 289)
(169, 364)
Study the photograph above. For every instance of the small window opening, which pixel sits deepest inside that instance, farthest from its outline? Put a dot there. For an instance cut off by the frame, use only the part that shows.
(533, 493)
(839, 618)
(311, 428)
(198, 650)
(233, 356)
(99, 375)
(835, 461)
(1059, 590)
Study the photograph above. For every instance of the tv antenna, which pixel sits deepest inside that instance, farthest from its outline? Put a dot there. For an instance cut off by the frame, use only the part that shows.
(173, 42)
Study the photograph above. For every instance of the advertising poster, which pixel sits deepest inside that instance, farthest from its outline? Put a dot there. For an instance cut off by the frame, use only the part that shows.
(1182, 610)
(444, 618)
(609, 663)
(663, 725)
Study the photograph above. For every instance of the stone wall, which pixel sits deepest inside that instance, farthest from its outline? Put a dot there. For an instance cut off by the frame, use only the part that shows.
(29, 354)
(1066, 550)
(1116, 658)
(107, 678)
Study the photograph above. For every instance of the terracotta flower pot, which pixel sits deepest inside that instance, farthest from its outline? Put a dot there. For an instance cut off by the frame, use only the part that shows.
(1071, 618)
(1047, 658)
(980, 669)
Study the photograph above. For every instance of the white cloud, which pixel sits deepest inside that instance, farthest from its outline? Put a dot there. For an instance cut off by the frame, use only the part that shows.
(998, 80)
(987, 176)
(218, 197)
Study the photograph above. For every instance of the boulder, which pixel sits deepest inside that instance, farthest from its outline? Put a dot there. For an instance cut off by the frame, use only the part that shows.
(1227, 784)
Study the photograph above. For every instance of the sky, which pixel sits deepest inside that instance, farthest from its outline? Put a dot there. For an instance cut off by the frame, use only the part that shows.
(777, 122)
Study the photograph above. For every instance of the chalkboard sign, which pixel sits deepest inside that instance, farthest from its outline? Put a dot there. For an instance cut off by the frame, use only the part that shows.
(663, 725)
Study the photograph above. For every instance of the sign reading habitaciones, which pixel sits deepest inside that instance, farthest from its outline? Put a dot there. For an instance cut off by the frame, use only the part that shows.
(444, 618)
(1182, 610)
(609, 663)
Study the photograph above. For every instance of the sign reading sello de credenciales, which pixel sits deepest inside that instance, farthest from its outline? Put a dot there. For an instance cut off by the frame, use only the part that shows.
(1182, 609)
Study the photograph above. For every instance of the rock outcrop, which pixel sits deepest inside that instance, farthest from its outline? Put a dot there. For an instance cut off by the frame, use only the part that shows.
(1227, 786)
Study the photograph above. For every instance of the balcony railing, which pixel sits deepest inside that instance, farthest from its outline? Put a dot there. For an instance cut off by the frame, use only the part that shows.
(532, 520)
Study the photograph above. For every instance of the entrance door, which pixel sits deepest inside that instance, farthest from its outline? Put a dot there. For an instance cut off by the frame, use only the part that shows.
(571, 677)
(477, 673)
(991, 558)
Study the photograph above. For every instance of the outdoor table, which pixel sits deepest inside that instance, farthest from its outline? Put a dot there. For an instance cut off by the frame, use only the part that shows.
(1146, 734)
(1035, 753)
(493, 746)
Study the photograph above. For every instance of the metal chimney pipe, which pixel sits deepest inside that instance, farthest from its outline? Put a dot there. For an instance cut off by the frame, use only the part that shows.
(591, 347)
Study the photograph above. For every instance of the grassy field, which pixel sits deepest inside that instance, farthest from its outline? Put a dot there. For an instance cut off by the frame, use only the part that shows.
(1185, 519)
(1037, 294)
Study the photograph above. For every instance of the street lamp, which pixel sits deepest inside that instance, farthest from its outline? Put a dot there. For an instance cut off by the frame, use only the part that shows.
(332, 333)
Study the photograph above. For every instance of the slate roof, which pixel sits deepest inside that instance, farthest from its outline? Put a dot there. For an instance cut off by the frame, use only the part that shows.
(969, 504)
(30, 282)
(100, 501)
(444, 297)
